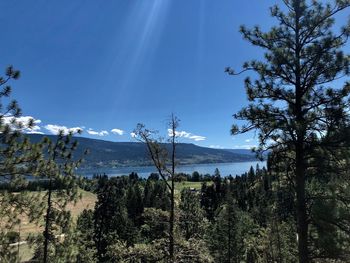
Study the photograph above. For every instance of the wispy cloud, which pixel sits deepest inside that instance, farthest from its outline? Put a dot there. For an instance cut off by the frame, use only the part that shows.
(117, 131)
(216, 147)
(23, 122)
(55, 129)
(133, 135)
(197, 138)
(97, 133)
(245, 146)
(187, 135)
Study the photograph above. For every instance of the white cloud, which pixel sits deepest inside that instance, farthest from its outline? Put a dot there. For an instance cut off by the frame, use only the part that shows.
(117, 131)
(55, 129)
(187, 135)
(15, 122)
(133, 135)
(31, 131)
(180, 133)
(248, 140)
(245, 146)
(197, 138)
(100, 133)
(216, 147)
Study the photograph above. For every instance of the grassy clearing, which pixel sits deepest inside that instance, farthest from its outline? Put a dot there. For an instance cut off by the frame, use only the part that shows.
(25, 252)
(87, 201)
(181, 185)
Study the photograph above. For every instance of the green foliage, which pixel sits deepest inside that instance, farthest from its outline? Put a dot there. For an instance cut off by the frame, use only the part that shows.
(62, 248)
(134, 203)
(229, 232)
(85, 237)
(156, 224)
(150, 252)
(58, 168)
(192, 250)
(111, 222)
(293, 105)
(211, 197)
(18, 157)
(156, 195)
(192, 221)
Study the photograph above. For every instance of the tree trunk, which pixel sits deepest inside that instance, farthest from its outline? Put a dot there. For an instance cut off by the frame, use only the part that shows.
(300, 167)
(302, 222)
(47, 224)
(172, 194)
(229, 233)
(172, 218)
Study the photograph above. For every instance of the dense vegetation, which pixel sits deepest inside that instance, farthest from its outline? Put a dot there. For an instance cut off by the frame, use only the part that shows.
(249, 218)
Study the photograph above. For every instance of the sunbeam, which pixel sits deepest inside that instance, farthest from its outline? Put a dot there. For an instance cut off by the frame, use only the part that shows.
(142, 31)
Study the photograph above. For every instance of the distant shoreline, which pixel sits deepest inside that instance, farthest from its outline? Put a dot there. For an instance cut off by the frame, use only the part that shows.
(231, 168)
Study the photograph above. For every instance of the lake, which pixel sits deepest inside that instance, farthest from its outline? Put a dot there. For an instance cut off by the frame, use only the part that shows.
(144, 171)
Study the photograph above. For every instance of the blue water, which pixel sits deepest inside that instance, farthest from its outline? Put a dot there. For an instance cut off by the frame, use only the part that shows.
(144, 171)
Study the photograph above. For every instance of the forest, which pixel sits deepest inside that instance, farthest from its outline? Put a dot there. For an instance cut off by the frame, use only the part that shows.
(296, 209)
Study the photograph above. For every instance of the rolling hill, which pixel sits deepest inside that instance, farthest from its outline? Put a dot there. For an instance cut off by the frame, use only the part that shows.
(118, 154)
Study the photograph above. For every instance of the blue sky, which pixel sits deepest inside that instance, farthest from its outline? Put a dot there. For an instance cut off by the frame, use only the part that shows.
(106, 65)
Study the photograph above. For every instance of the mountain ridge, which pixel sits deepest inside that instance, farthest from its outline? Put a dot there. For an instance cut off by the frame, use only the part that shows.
(110, 154)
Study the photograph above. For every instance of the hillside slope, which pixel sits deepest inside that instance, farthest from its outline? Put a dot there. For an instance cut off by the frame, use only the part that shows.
(117, 154)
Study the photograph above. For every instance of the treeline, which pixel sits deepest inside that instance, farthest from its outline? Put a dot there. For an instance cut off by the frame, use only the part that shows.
(249, 218)
(33, 184)
(130, 222)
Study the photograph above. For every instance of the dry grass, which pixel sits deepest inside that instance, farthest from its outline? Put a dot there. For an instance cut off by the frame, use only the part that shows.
(26, 228)
(86, 202)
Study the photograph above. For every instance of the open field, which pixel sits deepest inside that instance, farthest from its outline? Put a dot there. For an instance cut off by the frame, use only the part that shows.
(87, 201)
(181, 185)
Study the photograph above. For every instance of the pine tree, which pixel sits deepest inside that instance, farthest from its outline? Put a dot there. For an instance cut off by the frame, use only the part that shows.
(292, 104)
(224, 236)
(134, 203)
(18, 158)
(85, 237)
(209, 200)
(191, 216)
(58, 167)
(111, 222)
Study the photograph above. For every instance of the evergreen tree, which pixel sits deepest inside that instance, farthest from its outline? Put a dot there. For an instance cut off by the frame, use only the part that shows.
(155, 224)
(85, 237)
(226, 235)
(18, 158)
(195, 176)
(147, 193)
(212, 196)
(209, 200)
(191, 216)
(111, 221)
(292, 104)
(58, 167)
(134, 203)
(156, 195)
